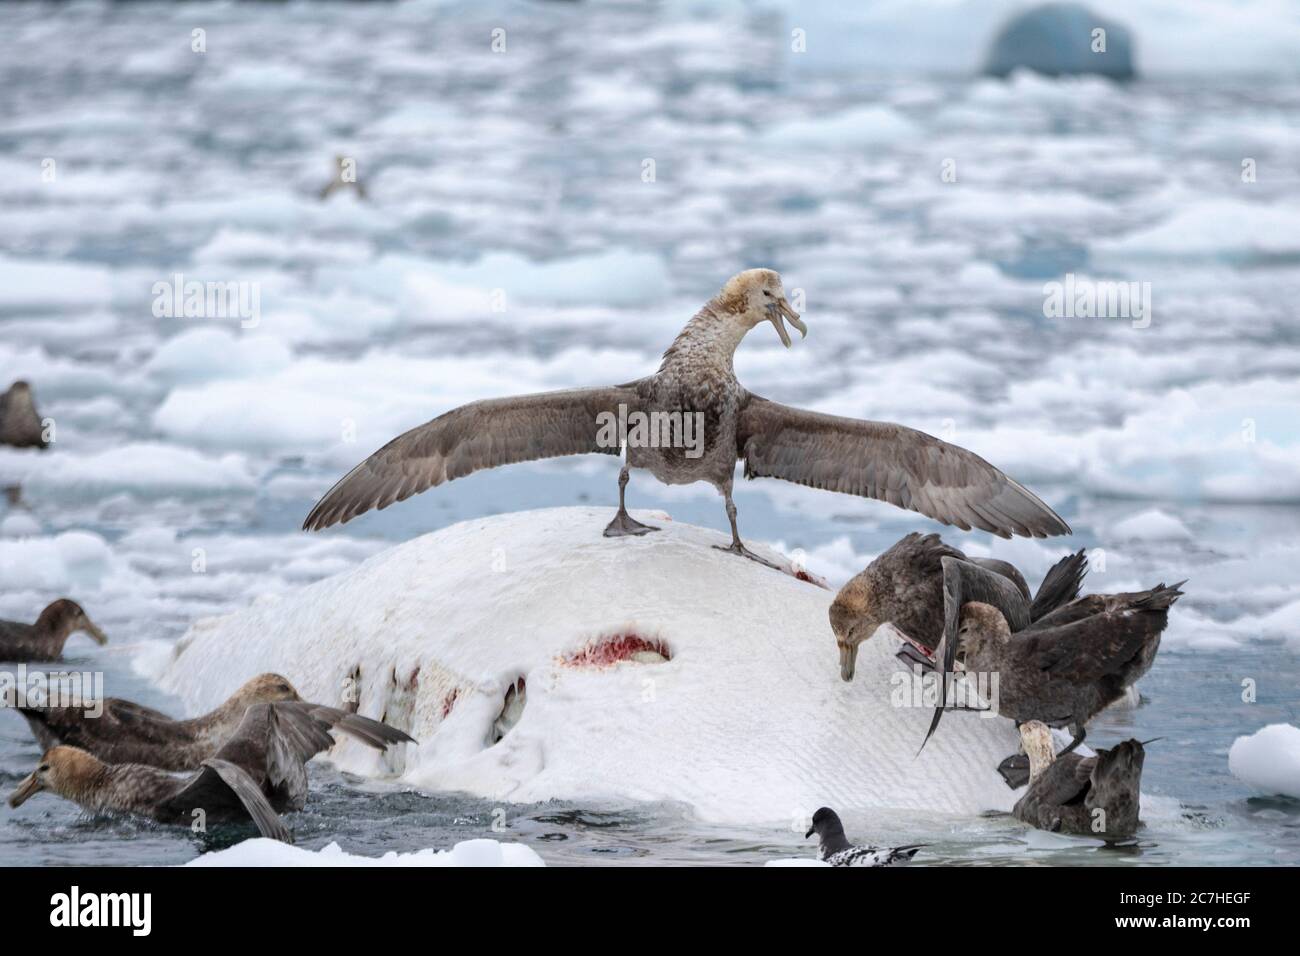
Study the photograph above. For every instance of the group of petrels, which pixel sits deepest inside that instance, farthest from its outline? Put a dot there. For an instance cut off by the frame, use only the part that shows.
(244, 761)
(1061, 657)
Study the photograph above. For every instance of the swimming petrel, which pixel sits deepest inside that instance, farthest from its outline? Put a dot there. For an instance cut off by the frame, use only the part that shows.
(834, 847)
(44, 640)
(696, 382)
(1091, 796)
(259, 771)
(121, 731)
(20, 424)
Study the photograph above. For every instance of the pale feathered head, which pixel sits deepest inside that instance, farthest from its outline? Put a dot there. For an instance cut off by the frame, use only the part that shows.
(755, 296)
(67, 771)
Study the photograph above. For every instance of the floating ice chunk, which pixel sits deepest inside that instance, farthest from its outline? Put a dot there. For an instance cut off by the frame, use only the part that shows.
(205, 353)
(71, 560)
(1213, 227)
(137, 466)
(264, 852)
(1268, 760)
(19, 524)
(42, 285)
(1151, 525)
(797, 861)
(862, 126)
(617, 277)
(740, 713)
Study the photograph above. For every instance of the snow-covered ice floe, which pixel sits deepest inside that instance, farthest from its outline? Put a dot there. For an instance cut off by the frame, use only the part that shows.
(264, 852)
(653, 668)
(1268, 760)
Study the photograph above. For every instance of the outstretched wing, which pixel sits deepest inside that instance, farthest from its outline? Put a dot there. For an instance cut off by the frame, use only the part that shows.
(484, 434)
(373, 733)
(901, 466)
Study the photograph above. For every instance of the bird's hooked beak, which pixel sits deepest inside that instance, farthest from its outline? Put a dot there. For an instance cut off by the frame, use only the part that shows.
(90, 628)
(811, 831)
(779, 310)
(25, 790)
(848, 659)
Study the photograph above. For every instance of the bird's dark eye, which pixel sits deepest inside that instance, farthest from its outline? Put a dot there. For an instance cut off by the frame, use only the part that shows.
(43, 768)
(766, 293)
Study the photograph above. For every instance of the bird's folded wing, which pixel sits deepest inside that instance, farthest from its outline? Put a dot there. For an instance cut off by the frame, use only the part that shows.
(1063, 781)
(483, 434)
(1086, 650)
(964, 582)
(890, 463)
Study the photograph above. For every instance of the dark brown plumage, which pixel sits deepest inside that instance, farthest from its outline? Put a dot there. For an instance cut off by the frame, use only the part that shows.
(20, 424)
(127, 732)
(260, 770)
(1090, 796)
(44, 640)
(1070, 665)
(919, 586)
(878, 460)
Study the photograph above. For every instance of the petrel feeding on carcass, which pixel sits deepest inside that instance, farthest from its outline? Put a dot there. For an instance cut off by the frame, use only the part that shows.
(702, 421)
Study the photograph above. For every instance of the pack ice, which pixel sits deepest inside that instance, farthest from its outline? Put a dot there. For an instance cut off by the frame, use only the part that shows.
(535, 659)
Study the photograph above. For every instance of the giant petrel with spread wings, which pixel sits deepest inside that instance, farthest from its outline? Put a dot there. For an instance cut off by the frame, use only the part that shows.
(697, 384)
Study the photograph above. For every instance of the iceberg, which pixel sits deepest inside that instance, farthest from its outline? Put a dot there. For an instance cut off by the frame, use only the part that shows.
(1061, 39)
(534, 659)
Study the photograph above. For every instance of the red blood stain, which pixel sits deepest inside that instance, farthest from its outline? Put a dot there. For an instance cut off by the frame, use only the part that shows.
(803, 575)
(449, 701)
(611, 650)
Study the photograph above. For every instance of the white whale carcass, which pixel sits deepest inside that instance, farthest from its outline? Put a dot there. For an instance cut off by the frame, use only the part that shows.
(535, 659)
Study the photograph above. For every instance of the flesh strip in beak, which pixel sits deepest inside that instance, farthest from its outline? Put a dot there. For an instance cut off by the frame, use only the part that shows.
(781, 309)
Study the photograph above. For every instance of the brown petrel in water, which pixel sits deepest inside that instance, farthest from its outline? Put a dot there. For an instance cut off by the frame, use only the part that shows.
(261, 767)
(696, 382)
(1090, 796)
(20, 425)
(126, 732)
(44, 640)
